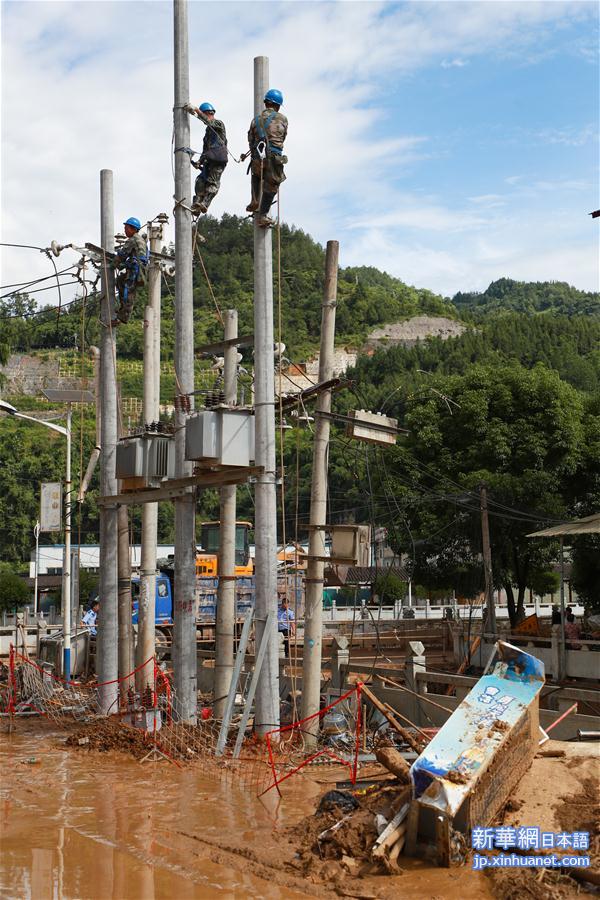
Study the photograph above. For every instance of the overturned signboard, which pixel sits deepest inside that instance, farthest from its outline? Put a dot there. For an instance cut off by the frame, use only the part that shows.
(468, 771)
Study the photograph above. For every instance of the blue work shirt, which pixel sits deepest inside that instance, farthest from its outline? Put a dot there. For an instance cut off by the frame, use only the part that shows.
(285, 618)
(90, 618)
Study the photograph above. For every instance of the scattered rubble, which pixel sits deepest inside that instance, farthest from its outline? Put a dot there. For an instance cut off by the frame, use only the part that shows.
(104, 735)
(340, 840)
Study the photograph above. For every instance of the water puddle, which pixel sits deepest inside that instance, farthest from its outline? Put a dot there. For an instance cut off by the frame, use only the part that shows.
(79, 825)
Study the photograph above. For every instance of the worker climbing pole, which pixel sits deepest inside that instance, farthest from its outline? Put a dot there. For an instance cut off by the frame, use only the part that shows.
(268, 131)
(130, 263)
(213, 158)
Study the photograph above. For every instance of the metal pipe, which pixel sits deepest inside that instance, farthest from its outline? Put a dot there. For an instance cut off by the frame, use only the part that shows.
(107, 662)
(267, 693)
(313, 621)
(563, 646)
(184, 630)
(225, 624)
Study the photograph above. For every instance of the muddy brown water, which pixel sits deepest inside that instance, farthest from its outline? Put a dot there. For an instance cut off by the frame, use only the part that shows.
(102, 826)
(76, 824)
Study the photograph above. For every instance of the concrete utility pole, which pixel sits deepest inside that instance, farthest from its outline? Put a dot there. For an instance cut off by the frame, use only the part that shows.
(487, 561)
(107, 659)
(313, 620)
(146, 645)
(226, 589)
(184, 632)
(66, 579)
(265, 526)
(124, 581)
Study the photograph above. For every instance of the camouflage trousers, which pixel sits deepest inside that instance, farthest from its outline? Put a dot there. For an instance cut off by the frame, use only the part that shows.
(208, 182)
(271, 176)
(128, 280)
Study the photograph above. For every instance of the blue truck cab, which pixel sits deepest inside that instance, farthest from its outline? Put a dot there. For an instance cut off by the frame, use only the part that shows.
(163, 602)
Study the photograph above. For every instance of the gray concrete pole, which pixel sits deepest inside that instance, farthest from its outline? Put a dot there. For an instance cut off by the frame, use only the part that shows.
(66, 579)
(146, 646)
(107, 663)
(265, 526)
(313, 619)
(184, 631)
(125, 627)
(226, 590)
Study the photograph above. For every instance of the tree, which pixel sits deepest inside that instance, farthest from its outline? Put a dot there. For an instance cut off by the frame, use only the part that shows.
(521, 433)
(390, 588)
(13, 590)
(585, 573)
(544, 582)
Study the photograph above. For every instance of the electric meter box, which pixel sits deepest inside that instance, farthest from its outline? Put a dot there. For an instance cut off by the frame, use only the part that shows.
(145, 460)
(352, 543)
(221, 437)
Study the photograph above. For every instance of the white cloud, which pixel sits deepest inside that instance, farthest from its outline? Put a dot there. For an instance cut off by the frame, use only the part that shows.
(88, 85)
(456, 63)
(570, 137)
(488, 201)
(538, 247)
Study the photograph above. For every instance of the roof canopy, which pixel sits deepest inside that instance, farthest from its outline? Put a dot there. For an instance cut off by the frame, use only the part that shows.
(589, 525)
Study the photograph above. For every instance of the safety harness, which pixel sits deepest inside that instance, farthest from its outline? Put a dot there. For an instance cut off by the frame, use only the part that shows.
(262, 133)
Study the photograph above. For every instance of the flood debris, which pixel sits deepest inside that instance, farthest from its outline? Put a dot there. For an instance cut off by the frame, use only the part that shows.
(394, 762)
(359, 833)
(468, 771)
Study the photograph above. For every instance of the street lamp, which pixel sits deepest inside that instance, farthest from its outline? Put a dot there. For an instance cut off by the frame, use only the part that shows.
(68, 397)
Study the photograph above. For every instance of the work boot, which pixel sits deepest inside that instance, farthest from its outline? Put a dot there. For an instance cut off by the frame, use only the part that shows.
(199, 206)
(265, 221)
(252, 206)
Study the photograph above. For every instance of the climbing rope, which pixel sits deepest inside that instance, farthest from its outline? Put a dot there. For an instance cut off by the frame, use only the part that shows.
(210, 288)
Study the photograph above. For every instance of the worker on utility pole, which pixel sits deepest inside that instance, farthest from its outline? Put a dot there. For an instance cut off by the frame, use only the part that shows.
(130, 264)
(213, 158)
(266, 137)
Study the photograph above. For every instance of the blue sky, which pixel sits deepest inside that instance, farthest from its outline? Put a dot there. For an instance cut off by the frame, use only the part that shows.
(449, 143)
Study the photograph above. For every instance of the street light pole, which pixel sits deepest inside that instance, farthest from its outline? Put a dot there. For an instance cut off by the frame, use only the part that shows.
(36, 533)
(66, 576)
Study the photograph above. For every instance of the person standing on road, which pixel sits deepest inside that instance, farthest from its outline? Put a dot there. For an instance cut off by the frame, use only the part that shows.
(90, 618)
(286, 624)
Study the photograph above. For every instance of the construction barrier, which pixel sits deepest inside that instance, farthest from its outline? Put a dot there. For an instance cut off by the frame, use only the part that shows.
(149, 725)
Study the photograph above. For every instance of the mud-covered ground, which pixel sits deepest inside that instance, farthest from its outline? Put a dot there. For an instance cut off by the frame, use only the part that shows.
(92, 821)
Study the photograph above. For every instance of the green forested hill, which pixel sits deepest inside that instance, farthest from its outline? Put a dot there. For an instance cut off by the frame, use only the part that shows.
(549, 297)
(514, 401)
(366, 298)
(569, 346)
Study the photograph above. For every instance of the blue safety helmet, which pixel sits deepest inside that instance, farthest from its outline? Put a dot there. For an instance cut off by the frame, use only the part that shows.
(135, 223)
(274, 96)
(206, 107)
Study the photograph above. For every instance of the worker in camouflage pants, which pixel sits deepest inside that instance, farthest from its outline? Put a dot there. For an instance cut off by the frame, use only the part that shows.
(266, 137)
(130, 264)
(213, 158)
